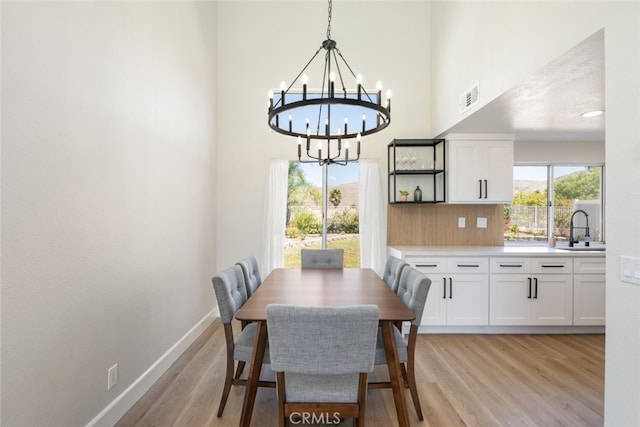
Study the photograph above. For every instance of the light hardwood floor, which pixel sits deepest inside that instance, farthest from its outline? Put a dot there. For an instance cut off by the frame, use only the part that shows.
(463, 380)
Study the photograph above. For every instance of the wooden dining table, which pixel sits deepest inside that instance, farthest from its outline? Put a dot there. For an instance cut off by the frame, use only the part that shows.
(325, 288)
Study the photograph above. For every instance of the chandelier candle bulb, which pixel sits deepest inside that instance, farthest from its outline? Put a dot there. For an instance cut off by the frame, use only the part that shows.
(305, 80)
(332, 81)
(283, 86)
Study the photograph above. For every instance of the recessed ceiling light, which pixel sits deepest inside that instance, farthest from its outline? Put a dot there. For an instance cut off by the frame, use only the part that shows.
(592, 113)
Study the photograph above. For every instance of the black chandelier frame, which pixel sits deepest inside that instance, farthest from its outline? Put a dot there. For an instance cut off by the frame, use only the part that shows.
(323, 100)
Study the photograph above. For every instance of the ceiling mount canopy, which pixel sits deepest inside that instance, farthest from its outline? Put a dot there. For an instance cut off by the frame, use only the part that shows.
(333, 114)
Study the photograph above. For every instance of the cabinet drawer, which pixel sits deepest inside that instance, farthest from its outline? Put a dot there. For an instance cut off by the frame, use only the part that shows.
(428, 264)
(468, 265)
(551, 265)
(510, 265)
(589, 265)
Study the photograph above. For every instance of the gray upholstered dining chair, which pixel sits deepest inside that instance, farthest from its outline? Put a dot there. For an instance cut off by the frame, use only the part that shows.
(231, 294)
(322, 258)
(251, 273)
(413, 290)
(392, 270)
(322, 357)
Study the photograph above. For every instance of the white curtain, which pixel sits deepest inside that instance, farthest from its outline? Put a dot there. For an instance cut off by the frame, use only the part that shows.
(373, 226)
(275, 212)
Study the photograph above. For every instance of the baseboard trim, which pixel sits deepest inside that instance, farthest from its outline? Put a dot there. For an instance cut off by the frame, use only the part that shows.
(121, 404)
(424, 329)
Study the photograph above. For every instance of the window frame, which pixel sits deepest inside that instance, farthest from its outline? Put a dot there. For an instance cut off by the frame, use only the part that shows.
(551, 193)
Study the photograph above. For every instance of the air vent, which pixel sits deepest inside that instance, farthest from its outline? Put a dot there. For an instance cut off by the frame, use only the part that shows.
(469, 98)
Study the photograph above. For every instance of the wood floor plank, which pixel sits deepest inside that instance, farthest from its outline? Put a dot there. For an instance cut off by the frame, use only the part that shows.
(463, 380)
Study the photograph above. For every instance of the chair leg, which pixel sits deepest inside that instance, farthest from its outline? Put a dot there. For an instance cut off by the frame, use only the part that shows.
(239, 369)
(280, 391)
(414, 394)
(411, 372)
(405, 378)
(228, 378)
(226, 389)
(362, 399)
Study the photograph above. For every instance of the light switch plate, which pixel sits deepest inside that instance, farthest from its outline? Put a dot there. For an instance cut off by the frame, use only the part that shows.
(481, 223)
(461, 222)
(630, 270)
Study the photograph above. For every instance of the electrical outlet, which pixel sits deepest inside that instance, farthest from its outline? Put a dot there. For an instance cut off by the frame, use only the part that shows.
(112, 376)
(461, 222)
(481, 223)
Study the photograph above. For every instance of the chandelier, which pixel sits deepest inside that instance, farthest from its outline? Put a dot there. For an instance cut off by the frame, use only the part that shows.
(331, 115)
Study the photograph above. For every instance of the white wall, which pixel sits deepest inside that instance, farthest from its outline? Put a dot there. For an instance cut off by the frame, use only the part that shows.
(108, 130)
(499, 44)
(263, 43)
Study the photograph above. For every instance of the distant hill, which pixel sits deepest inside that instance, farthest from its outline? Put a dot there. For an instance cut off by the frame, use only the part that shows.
(531, 185)
(528, 185)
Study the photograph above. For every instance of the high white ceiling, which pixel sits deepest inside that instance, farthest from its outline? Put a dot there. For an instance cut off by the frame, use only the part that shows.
(548, 105)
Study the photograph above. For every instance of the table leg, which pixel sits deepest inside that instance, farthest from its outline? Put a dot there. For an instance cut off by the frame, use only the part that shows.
(393, 364)
(260, 343)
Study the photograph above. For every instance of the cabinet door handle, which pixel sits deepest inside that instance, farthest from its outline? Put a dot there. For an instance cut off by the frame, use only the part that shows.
(480, 188)
(450, 288)
(444, 288)
(426, 265)
(468, 265)
(486, 189)
(535, 294)
(529, 296)
(552, 266)
(511, 265)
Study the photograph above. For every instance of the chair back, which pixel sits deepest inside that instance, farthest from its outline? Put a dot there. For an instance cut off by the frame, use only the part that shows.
(322, 340)
(251, 273)
(392, 270)
(322, 258)
(413, 290)
(231, 292)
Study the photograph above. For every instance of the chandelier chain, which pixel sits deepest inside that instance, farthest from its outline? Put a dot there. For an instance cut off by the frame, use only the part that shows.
(329, 21)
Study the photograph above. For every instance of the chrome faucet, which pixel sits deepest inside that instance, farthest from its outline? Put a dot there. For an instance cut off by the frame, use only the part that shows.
(571, 227)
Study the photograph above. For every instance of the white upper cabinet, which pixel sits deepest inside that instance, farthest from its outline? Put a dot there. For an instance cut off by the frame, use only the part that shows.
(480, 168)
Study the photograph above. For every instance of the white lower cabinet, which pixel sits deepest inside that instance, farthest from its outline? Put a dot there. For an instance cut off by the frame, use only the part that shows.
(459, 293)
(539, 293)
(528, 291)
(589, 300)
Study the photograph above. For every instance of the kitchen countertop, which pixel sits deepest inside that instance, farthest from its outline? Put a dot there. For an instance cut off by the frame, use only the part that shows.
(495, 251)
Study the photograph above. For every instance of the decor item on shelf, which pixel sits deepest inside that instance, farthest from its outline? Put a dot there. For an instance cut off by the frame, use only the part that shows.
(417, 194)
(331, 115)
(403, 195)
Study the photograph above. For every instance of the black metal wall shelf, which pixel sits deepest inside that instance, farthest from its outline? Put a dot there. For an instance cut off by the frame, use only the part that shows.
(417, 163)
